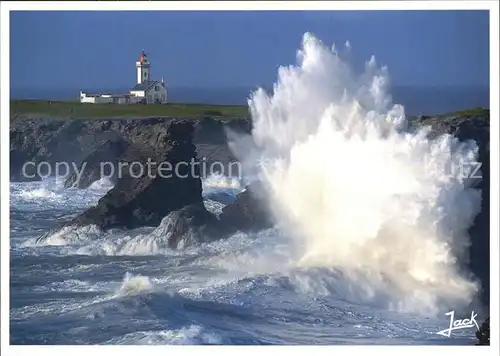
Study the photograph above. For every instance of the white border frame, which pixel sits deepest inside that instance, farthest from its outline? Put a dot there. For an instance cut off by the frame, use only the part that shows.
(6, 7)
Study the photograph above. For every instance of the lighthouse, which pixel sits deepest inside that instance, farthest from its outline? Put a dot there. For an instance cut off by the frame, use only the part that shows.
(143, 68)
(145, 91)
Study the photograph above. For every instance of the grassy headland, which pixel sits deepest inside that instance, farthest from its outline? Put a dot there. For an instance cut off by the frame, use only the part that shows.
(77, 110)
(473, 112)
(74, 109)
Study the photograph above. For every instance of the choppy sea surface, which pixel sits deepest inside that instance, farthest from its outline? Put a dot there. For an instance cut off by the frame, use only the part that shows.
(371, 232)
(126, 287)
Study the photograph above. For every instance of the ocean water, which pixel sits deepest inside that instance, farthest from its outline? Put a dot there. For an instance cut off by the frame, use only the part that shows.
(371, 230)
(127, 288)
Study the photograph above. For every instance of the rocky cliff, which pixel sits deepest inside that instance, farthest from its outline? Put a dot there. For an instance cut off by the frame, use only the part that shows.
(473, 125)
(74, 141)
(143, 201)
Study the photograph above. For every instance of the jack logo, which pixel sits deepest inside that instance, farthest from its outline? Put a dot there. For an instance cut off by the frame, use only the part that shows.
(459, 323)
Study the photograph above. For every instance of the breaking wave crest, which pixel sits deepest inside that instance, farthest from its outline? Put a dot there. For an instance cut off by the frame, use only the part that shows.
(133, 285)
(354, 189)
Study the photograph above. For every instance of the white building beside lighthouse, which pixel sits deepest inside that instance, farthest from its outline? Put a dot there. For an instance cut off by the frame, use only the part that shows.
(145, 91)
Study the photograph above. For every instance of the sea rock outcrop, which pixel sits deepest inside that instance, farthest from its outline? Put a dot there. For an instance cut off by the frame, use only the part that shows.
(249, 211)
(143, 196)
(190, 225)
(483, 334)
(169, 187)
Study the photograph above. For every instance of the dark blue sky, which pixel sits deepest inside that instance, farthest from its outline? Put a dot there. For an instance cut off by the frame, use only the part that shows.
(225, 49)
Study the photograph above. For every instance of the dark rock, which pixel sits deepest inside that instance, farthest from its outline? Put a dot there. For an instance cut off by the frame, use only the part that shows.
(91, 169)
(479, 251)
(73, 140)
(249, 211)
(212, 147)
(144, 200)
(476, 128)
(190, 225)
(55, 141)
(483, 334)
(18, 159)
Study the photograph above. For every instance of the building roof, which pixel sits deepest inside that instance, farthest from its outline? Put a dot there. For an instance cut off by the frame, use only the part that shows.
(145, 85)
(121, 95)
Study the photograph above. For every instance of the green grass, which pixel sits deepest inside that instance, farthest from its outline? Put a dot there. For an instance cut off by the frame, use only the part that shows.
(474, 112)
(73, 109)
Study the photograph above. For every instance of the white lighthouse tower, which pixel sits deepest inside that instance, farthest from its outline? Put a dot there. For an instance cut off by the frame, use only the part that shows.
(143, 68)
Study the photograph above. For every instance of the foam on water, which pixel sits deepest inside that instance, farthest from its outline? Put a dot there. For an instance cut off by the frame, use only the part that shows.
(133, 285)
(357, 192)
(102, 185)
(193, 334)
(69, 235)
(51, 192)
(213, 206)
(39, 193)
(70, 285)
(219, 181)
(92, 240)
